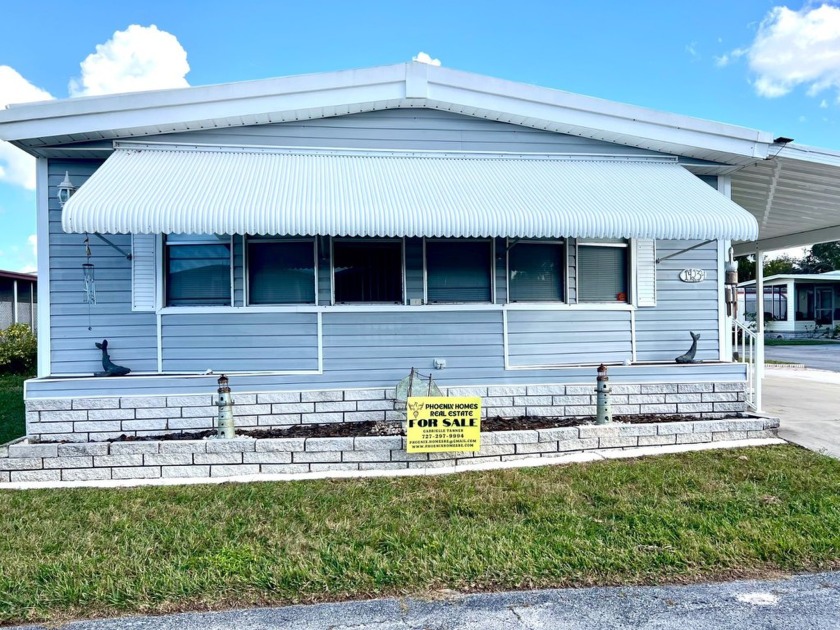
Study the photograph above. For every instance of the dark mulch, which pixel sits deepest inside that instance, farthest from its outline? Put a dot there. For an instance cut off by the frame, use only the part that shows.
(368, 429)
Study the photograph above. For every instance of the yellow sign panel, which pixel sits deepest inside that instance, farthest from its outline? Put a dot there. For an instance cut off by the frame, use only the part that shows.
(437, 424)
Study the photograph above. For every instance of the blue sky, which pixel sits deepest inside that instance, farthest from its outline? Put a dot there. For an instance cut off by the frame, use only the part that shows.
(751, 62)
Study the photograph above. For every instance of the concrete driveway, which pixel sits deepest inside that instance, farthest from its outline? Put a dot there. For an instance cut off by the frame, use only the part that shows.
(822, 357)
(808, 405)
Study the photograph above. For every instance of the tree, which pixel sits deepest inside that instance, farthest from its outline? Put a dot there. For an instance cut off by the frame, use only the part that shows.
(824, 257)
(783, 264)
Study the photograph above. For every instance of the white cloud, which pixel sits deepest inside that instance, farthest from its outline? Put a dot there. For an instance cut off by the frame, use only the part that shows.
(794, 48)
(422, 57)
(138, 58)
(17, 167)
(691, 49)
(823, 104)
(32, 239)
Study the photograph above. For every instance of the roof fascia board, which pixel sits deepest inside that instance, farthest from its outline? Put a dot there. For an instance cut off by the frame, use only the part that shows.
(799, 239)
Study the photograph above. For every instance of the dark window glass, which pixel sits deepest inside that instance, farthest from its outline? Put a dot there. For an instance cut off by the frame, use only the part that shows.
(536, 272)
(281, 272)
(602, 274)
(804, 302)
(367, 271)
(458, 271)
(198, 271)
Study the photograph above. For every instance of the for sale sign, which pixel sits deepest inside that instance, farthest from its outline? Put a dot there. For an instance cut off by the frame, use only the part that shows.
(440, 424)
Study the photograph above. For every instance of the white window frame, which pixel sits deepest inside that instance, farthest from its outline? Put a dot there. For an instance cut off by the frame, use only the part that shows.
(625, 244)
(491, 268)
(278, 239)
(564, 274)
(165, 272)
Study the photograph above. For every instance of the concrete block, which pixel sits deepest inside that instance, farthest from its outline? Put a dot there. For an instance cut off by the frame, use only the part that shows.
(64, 416)
(145, 402)
(33, 450)
(143, 472)
(100, 461)
(467, 391)
(546, 390)
(507, 390)
(625, 389)
(205, 411)
(768, 433)
(541, 447)
(646, 399)
(50, 404)
(375, 443)
(731, 387)
(694, 438)
(729, 406)
(5, 477)
(132, 448)
(658, 388)
(577, 445)
(394, 416)
(246, 421)
(383, 465)
(278, 397)
(104, 436)
(68, 462)
(729, 435)
(168, 459)
(32, 416)
(683, 398)
(323, 418)
(626, 410)
(325, 396)
(111, 414)
(691, 388)
(281, 419)
(771, 423)
(383, 455)
(364, 416)
(283, 469)
(618, 442)
(340, 466)
(177, 472)
(36, 475)
(500, 449)
(329, 444)
(694, 407)
(475, 461)
(307, 457)
(657, 440)
(21, 463)
(558, 433)
(234, 470)
(217, 458)
(280, 445)
(636, 430)
(96, 403)
(66, 437)
(375, 405)
(512, 437)
(674, 428)
(237, 445)
(721, 397)
(497, 401)
(244, 399)
(658, 408)
(35, 429)
(100, 426)
(157, 412)
(502, 412)
(572, 400)
(364, 394)
(262, 457)
(192, 423)
(403, 456)
(324, 407)
(580, 410)
(189, 401)
(144, 425)
(85, 474)
(599, 430)
(73, 450)
(287, 408)
(183, 446)
(249, 410)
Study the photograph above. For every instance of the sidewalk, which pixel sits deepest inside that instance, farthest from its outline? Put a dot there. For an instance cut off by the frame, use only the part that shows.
(809, 601)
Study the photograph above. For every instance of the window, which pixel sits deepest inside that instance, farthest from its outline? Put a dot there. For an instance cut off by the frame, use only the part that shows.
(281, 271)
(198, 270)
(458, 271)
(536, 272)
(804, 302)
(775, 302)
(603, 271)
(367, 271)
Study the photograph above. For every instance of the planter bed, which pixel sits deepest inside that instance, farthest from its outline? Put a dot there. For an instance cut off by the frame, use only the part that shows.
(242, 456)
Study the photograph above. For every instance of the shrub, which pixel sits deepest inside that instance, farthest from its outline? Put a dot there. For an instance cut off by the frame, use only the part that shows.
(18, 350)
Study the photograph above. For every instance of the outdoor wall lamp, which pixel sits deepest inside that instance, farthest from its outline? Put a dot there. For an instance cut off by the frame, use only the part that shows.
(65, 189)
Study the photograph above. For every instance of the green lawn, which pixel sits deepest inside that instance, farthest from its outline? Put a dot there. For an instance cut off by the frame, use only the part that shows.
(12, 413)
(800, 342)
(678, 518)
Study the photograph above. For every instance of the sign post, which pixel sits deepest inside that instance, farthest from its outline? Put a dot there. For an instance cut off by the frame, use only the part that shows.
(437, 424)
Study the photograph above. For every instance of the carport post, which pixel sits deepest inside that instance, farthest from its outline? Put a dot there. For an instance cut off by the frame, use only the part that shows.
(759, 319)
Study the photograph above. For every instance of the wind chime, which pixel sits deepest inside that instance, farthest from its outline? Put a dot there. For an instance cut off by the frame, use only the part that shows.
(90, 281)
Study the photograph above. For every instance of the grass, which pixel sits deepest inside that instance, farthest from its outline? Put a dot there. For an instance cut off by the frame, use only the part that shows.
(800, 342)
(678, 518)
(12, 412)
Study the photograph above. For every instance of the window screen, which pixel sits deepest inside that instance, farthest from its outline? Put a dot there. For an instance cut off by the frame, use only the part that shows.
(281, 272)
(197, 270)
(458, 271)
(602, 274)
(536, 272)
(367, 271)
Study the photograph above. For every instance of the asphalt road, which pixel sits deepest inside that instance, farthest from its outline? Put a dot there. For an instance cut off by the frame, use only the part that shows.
(822, 357)
(810, 601)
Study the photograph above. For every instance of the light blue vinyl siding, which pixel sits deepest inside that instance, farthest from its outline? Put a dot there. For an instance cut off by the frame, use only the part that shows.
(681, 307)
(241, 341)
(568, 337)
(131, 335)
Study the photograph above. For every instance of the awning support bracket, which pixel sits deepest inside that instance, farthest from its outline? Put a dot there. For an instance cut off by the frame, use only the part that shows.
(683, 251)
(107, 242)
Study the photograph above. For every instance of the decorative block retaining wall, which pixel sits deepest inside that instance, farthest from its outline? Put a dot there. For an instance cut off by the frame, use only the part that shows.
(99, 419)
(242, 456)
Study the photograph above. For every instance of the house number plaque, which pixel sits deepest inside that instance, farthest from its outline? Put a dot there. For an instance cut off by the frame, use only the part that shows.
(692, 275)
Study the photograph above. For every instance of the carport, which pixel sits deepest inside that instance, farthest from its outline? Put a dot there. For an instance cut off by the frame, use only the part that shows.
(794, 193)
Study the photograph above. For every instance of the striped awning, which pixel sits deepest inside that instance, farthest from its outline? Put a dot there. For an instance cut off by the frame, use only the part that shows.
(172, 189)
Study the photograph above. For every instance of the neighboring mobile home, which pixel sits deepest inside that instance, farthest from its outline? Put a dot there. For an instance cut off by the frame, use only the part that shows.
(18, 299)
(316, 237)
